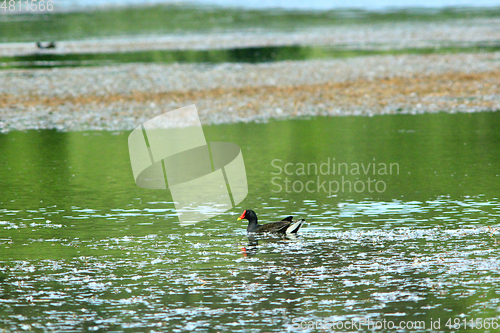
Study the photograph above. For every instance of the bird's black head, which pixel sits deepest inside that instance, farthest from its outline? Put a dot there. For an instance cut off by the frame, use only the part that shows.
(248, 215)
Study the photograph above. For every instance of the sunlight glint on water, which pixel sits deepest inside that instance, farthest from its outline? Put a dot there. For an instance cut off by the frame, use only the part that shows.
(83, 248)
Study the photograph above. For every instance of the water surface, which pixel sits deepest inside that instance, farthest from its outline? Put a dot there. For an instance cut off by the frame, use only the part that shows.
(234, 55)
(83, 248)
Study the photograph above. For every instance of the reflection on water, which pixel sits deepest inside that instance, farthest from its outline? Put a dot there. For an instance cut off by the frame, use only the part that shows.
(83, 248)
(238, 55)
(248, 54)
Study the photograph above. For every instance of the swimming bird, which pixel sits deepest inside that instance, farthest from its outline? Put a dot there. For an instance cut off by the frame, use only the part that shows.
(285, 226)
(50, 45)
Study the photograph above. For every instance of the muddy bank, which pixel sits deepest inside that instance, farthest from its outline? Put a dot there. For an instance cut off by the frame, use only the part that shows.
(121, 97)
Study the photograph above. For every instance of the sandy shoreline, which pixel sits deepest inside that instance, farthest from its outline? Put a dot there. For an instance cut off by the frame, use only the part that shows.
(120, 97)
(123, 96)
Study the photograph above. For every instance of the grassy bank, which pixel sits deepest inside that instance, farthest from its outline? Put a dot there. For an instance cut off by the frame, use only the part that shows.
(161, 19)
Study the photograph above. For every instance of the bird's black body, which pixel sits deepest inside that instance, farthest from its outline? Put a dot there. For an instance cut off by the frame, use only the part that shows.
(285, 226)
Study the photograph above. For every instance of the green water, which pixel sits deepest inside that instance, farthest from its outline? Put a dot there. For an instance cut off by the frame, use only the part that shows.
(238, 55)
(83, 248)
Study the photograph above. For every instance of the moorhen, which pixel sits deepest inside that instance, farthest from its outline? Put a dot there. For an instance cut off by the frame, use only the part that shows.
(285, 226)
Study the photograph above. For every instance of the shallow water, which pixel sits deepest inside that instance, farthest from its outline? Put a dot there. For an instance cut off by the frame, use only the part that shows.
(83, 248)
(236, 55)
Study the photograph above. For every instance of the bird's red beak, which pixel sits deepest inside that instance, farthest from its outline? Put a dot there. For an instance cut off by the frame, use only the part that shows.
(242, 215)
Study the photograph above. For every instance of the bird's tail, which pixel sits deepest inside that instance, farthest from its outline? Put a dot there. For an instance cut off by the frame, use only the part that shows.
(294, 227)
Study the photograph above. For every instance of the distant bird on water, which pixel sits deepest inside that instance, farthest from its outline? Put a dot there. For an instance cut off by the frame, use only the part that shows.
(49, 45)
